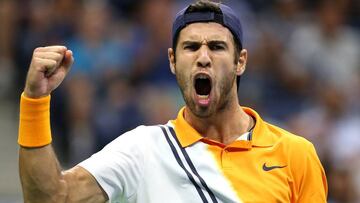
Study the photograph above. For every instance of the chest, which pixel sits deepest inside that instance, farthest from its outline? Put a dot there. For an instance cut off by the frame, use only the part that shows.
(203, 172)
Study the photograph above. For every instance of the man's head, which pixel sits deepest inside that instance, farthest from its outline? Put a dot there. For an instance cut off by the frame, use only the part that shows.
(207, 11)
(207, 56)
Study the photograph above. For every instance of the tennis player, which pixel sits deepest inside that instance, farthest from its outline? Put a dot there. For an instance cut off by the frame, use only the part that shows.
(214, 151)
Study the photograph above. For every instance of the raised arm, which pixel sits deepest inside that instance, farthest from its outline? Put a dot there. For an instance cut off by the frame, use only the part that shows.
(41, 176)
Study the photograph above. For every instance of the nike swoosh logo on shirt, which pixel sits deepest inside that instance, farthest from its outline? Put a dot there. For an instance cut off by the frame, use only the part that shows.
(269, 168)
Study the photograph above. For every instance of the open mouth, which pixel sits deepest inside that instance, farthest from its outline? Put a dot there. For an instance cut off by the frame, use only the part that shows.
(202, 85)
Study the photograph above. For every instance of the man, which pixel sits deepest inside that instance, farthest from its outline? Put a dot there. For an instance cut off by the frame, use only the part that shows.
(214, 151)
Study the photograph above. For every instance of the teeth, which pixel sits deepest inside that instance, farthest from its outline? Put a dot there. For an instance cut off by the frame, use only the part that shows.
(202, 77)
(203, 96)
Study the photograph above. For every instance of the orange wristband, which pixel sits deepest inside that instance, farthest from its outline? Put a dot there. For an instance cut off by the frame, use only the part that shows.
(34, 125)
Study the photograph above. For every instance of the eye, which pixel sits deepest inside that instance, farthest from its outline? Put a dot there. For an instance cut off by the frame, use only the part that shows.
(192, 47)
(216, 47)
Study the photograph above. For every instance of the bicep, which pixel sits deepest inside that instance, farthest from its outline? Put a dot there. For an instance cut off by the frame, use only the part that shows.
(83, 187)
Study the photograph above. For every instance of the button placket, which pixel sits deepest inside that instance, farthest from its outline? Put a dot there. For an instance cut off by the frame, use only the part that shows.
(225, 158)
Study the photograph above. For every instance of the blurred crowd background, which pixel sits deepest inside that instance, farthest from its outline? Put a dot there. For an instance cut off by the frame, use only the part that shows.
(303, 72)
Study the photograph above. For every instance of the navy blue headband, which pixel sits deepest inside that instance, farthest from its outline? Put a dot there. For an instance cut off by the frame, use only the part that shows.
(227, 18)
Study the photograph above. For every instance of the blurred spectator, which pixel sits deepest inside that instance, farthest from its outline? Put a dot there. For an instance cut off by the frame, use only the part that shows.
(118, 112)
(269, 81)
(282, 18)
(342, 187)
(328, 49)
(152, 35)
(99, 52)
(354, 12)
(8, 29)
(159, 103)
(80, 98)
(41, 23)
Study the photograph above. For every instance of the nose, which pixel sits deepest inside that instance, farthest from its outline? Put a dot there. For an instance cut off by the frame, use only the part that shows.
(203, 60)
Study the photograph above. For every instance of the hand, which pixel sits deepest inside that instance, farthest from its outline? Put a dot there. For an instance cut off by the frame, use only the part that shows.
(48, 68)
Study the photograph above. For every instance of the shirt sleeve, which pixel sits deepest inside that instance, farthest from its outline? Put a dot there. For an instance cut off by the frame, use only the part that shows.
(310, 179)
(118, 167)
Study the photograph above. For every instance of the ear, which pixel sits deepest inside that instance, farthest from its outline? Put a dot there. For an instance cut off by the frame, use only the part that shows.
(171, 57)
(241, 65)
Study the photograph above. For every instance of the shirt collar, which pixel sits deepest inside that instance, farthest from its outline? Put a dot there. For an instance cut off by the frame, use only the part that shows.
(186, 134)
(261, 135)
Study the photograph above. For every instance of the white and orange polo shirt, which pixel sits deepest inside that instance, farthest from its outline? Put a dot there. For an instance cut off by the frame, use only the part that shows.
(174, 163)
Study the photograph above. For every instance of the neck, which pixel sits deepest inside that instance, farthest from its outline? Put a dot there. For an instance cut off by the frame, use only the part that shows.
(224, 126)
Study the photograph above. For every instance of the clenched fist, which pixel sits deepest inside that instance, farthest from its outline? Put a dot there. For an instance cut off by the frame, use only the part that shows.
(48, 68)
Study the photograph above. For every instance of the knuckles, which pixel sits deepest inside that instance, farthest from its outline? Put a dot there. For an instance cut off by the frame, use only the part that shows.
(38, 49)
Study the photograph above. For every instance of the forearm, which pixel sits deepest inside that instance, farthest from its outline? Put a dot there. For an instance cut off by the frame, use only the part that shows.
(40, 174)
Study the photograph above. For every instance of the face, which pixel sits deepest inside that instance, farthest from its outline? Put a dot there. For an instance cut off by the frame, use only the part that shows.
(205, 68)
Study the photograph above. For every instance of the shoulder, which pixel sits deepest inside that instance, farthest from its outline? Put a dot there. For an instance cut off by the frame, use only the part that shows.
(266, 135)
(288, 138)
(301, 153)
(296, 148)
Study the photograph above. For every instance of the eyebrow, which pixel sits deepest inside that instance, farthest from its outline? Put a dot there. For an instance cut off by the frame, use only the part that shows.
(211, 42)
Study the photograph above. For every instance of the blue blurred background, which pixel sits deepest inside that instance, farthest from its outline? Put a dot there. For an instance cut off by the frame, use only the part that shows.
(303, 74)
